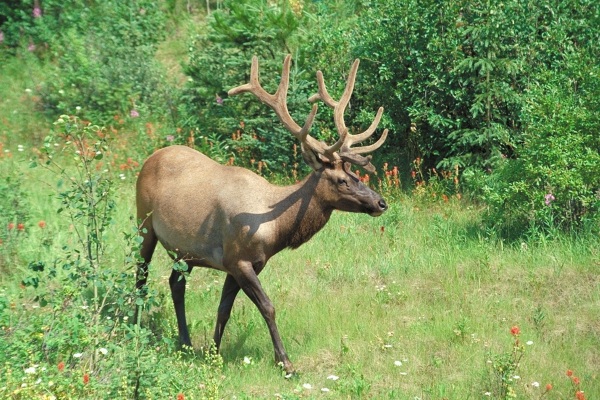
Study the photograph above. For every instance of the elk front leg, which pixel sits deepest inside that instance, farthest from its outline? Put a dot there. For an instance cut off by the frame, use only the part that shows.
(230, 291)
(248, 281)
(177, 284)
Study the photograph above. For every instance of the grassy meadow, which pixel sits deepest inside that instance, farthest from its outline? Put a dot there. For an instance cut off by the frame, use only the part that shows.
(420, 303)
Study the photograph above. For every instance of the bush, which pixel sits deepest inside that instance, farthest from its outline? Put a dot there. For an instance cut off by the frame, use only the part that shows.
(456, 73)
(554, 182)
(106, 64)
(68, 331)
(103, 51)
(219, 60)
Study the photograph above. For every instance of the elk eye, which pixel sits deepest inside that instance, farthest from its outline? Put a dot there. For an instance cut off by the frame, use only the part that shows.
(342, 181)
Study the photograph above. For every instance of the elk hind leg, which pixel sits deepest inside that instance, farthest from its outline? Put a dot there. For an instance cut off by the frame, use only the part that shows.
(146, 250)
(177, 283)
(230, 291)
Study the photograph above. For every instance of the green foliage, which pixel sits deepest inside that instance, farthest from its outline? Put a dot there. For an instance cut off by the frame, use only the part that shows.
(78, 339)
(14, 215)
(106, 66)
(467, 86)
(104, 55)
(554, 182)
(452, 70)
(219, 59)
(462, 68)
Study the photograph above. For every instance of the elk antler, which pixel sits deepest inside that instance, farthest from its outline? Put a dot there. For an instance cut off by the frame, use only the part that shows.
(346, 152)
(311, 146)
(278, 102)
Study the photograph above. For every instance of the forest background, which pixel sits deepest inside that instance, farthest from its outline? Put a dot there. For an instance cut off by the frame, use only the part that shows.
(492, 165)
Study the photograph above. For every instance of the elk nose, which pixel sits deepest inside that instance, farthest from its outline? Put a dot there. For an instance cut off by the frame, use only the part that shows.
(382, 205)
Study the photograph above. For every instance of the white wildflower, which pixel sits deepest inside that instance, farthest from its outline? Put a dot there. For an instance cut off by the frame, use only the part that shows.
(529, 342)
(30, 370)
(333, 377)
(307, 386)
(398, 363)
(77, 355)
(535, 384)
(324, 390)
(103, 350)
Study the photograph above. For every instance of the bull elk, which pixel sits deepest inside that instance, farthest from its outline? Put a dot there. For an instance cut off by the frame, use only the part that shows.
(229, 218)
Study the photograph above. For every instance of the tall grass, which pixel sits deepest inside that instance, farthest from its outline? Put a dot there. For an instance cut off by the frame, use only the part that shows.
(417, 310)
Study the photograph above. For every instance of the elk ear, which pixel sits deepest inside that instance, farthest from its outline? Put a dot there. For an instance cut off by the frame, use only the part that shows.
(359, 160)
(348, 170)
(311, 158)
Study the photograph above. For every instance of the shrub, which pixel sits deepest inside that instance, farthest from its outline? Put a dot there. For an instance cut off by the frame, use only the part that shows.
(70, 336)
(554, 182)
(103, 52)
(453, 75)
(219, 59)
(106, 64)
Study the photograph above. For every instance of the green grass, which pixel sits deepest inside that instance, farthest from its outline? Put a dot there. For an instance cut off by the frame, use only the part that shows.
(353, 301)
(413, 304)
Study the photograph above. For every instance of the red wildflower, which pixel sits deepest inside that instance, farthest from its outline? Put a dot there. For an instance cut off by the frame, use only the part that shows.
(515, 331)
(579, 395)
(61, 366)
(20, 227)
(569, 372)
(86, 379)
(576, 380)
(42, 224)
(11, 226)
(548, 387)
(180, 396)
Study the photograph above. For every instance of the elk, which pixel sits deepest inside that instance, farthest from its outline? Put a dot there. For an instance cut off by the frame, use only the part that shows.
(231, 219)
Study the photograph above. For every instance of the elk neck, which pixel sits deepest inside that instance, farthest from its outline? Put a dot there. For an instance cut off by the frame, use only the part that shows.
(303, 211)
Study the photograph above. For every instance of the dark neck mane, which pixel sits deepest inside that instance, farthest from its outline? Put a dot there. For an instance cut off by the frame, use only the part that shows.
(305, 213)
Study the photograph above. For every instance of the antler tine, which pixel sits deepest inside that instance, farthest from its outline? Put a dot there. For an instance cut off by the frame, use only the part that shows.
(347, 139)
(360, 137)
(277, 101)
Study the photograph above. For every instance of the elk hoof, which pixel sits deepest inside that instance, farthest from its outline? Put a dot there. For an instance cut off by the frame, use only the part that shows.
(288, 368)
